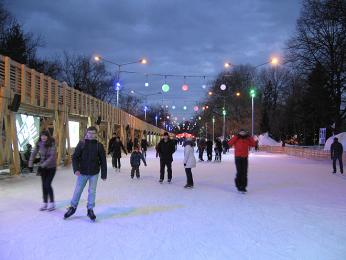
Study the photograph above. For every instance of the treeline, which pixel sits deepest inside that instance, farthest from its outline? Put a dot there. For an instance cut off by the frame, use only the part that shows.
(296, 98)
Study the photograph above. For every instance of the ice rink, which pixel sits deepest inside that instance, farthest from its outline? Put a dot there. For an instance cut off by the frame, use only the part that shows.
(295, 209)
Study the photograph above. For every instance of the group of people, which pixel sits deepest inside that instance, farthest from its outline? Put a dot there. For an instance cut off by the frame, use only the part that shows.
(207, 145)
(89, 159)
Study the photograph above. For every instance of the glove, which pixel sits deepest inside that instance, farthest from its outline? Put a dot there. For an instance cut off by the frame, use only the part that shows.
(184, 164)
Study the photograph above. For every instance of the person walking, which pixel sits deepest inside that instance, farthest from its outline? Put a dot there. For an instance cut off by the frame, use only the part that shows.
(209, 145)
(165, 150)
(336, 151)
(46, 148)
(189, 162)
(144, 147)
(88, 157)
(241, 142)
(135, 161)
(225, 146)
(115, 150)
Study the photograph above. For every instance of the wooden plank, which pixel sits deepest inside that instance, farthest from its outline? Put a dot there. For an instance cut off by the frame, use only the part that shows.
(23, 84)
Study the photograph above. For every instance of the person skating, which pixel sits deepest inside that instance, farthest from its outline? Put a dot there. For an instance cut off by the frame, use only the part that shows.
(165, 150)
(135, 161)
(209, 145)
(144, 146)
(336, 151)
(129, 146)
(46, 148)
(115, 150)
(189, 162)
(241, 142)
(110, 144)
(225, 147)
(218, 150)
(88, 158)
(201, 147)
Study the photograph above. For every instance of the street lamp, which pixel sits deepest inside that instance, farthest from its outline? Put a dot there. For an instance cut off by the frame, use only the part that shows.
(213, 128)
(99, 58)
(146, 99)
(145, 113)
(252, 94)
(224, 122)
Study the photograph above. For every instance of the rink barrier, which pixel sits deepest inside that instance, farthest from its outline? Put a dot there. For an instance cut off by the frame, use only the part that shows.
(302, 152)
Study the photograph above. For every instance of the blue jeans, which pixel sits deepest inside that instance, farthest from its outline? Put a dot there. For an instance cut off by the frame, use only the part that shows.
(81, 182)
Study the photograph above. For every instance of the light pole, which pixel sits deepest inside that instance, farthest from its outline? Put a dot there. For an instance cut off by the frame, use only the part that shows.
(224, 122)
(118, 85)
(252, 94)
(146, 99)
(156, 120)
(213, 128)
(145, 113)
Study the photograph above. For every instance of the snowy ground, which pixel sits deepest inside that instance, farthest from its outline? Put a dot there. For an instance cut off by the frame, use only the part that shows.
(295, 209)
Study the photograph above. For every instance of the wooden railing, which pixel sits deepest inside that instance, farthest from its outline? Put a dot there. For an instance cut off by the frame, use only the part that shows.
(302, 152)
(39, 90)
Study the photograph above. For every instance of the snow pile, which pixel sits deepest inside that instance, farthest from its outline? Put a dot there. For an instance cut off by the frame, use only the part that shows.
(264, 139)
(330, 140)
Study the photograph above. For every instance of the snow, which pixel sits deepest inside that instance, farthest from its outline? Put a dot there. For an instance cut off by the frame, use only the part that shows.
(264, 139)
(330, 140)
(295, 209)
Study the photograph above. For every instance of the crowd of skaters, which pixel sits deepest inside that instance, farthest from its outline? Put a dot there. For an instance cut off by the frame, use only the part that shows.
(89, 159)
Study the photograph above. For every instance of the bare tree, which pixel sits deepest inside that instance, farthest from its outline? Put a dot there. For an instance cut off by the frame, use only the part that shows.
(320, 38)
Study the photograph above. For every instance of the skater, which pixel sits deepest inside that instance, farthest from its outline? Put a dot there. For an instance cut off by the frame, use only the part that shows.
(201, 147)
(144, 147)
(46, 148)
(189, 162)
(88, 158)
(336, 151)
(165, 150)
(241, 142)
(209, 144)
(115, 150)
(129, 146)
(218, 150)
(110, 144)
(225, 146)
(135, 161)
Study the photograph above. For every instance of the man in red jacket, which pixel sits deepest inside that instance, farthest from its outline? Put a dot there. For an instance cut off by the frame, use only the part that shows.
(242, 143)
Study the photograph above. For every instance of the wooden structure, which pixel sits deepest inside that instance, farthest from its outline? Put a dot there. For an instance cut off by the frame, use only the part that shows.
(56, 103)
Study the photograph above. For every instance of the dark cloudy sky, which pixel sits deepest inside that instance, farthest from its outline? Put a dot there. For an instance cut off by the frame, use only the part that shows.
(177, 36)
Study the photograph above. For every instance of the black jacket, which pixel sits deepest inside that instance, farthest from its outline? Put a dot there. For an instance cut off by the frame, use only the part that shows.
(144, 145)
(166, 150)
(135, 159)
(209, 145)
(336, 150)
(111, 142)
(115, 149)
(88, 157)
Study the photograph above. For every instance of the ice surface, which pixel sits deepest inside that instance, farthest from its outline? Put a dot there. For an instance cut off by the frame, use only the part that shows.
(295, 209)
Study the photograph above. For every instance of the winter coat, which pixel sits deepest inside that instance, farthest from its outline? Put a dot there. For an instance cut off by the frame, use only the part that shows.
(224, 144)
(135, 159)
(166, 150)
(144, 145)
(129, 145)
(189, 157)
(88, 157)
(115, 149)
(241, 144)
(218, 146)
(111, 142)
(47, 155)
(209, 145)
(336, 150)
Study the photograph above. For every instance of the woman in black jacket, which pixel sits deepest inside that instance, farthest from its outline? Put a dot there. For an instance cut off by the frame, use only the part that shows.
(115, 150)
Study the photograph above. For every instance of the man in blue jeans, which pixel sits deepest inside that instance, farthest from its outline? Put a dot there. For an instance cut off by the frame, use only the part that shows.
(89, 156)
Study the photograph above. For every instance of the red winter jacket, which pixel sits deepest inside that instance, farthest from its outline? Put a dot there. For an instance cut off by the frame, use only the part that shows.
(242, 145)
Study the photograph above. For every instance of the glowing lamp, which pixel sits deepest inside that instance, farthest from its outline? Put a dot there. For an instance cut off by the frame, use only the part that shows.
(185, 87)
(223, 87)
(165, 87)
(195, 108)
